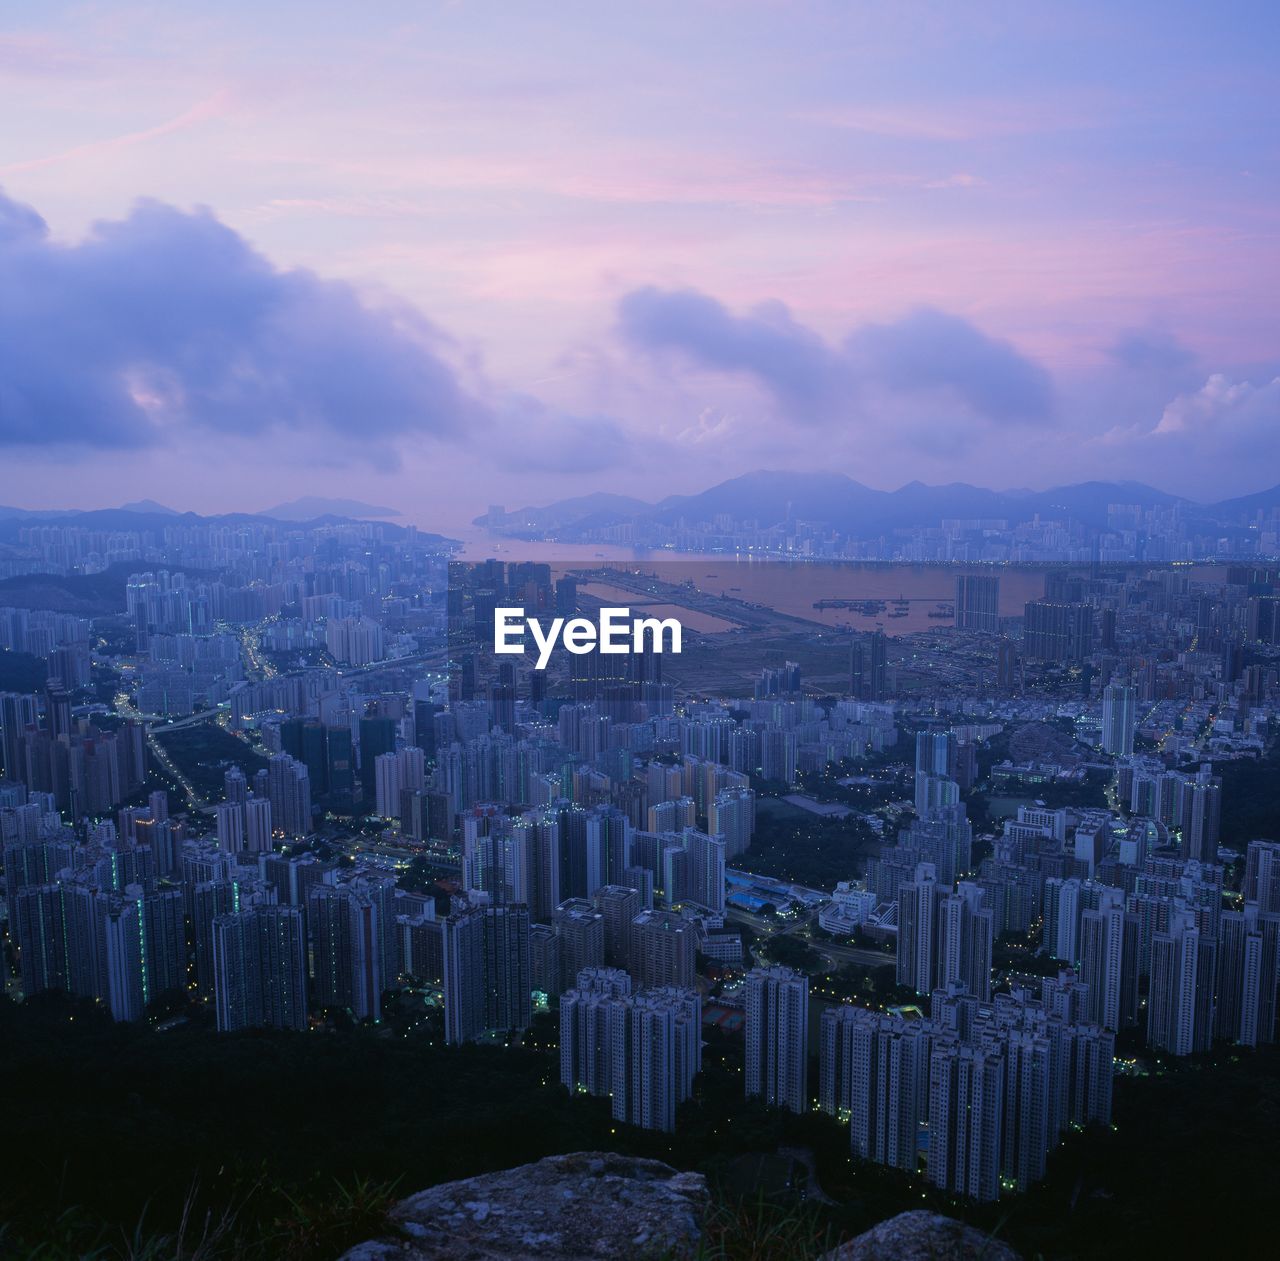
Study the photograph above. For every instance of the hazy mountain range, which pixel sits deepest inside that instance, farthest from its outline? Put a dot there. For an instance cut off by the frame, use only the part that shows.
(309, 507)
(845, 505)
(147, 515)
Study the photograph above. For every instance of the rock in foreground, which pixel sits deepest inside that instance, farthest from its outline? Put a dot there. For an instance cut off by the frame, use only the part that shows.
(921, 1236)
(565, 1208)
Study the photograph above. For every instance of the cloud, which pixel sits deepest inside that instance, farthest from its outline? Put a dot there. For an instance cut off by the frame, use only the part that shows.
(794, 363)
(1225, 411)
(168, 323)
(925, 353)
(931, 350)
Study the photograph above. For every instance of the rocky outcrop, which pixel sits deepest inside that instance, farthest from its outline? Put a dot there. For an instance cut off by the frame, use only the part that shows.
(565, 1208)
(594, 1206)
(921, 1236)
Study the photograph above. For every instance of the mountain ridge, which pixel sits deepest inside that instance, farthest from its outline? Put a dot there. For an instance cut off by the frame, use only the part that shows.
(839, 501)
(309, 507)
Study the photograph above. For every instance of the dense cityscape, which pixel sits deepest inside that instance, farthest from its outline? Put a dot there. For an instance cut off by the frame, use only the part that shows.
(266, 774)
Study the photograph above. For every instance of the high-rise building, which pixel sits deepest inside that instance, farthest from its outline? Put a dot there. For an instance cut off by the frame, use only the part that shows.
(1109, 962)
(777, 1032)
(580, 928)
(386, 774)
(657, 1053)
(1262, 876)
(586, 1030)
(1057, 632)
(257, 825)
(966, 1115)
(868, 667)
(619, 904)
(1199, 814)
(965, 938)
(1063, 906)
(37, 928)
(917, 929)
(1248, 974)
(935, 767)
(488, 981)
(978, 603)
(1027, 1113)
(732, 815)
(289, 788)
(664, 949)
(260, 970)
(1180, 1008)
(693, 870)
(19, 711)
(354, 949)
(230, 826)
(888, 1071)
(1119, 718)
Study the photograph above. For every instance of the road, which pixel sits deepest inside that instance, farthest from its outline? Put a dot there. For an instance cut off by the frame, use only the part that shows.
(835, 953)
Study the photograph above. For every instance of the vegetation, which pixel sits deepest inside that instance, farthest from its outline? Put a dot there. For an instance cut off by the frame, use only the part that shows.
(85, 594)
(1250, 803)
(204, 751)
(127, 1141)
(791, 843)
(22, 672)
(792, 953)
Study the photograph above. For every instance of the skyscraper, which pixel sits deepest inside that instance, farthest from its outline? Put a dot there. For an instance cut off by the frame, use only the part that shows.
(867, 667)
(917, 928)
(1248, 973)
(586, 1034)
(889, 1081)
(354, 950)
(488, 979)
(978, 603)
(777, 1031)
(1109, 962)
(1119, 717)
(289, 788)
(657, 1052)
(966, 1114)
(663, 950)
(966, 934)
(1057, 632)
(260, 970)
(1180, 1008)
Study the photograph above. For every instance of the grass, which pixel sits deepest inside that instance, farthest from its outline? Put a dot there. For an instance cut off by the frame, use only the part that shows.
(294, 1228)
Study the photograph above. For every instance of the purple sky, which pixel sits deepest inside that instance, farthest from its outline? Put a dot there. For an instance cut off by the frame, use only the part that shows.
(442, 255)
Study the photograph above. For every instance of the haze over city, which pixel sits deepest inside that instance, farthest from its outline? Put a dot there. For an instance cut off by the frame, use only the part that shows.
(443, 256)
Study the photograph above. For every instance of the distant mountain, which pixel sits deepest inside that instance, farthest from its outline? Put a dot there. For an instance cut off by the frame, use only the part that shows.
(840, 503)
(122, 519)
(843, 504)
(581, 512)
(8, 513)
(148, 505)
(1247, 505)
(309, 507)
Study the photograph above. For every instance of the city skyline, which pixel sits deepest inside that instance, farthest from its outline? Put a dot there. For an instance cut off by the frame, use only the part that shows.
(636, 253)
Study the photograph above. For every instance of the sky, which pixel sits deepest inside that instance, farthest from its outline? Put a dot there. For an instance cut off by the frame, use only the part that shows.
(444, 255)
